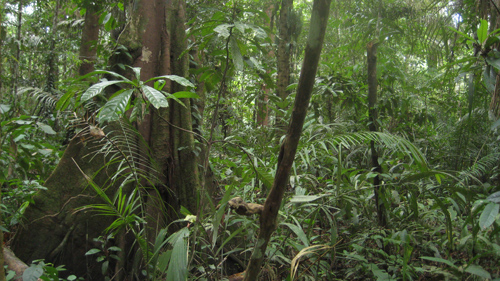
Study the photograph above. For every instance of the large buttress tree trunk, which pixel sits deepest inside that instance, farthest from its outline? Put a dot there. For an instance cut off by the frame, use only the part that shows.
(154, 36)
(51, 230)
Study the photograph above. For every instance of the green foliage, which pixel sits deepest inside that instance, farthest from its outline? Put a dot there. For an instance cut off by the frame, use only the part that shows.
(438, 146)
(120, 101)
(47, 272)
(105, 254)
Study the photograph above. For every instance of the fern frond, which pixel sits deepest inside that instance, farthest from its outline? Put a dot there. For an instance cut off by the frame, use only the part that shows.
(482, 166)
(46, 100)
(389, 141)
(123, 147)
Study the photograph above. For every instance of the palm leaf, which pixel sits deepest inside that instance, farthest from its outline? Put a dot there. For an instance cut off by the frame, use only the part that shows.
(389, 141)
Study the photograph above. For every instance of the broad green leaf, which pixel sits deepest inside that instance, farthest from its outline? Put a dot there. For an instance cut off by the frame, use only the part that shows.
(299, 232)
(178, 265)
(495, 197)
(493, 62)
(266, 178)
(495, 125)
(380, 273)
(440, 260)
(137, 72)
(223, 29)
(104, 267)
(106, 18)
(489, 78)
(478, 270)
(181, 80)
(160, 242)
(163, 260)
(115, 107)
(186, 95)
(488, 215)
(482, 32)
(96, 89)
(4, 108)
(92, 251)
(32, 273)
(155, 97)
(114, 248)
(10, 275)
(241, 26)
(139, 109)
(46, 128)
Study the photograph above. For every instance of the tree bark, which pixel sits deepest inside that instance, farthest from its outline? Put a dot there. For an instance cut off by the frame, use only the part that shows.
(90, 35)
(373, 126)
(52, 58)
(15, 264)
(491, 8)
(53, 231)
(2, 31)
(2, 259)
(283, 55)
(17, 69)
(288, 149)
(262, 100)
(2, 272)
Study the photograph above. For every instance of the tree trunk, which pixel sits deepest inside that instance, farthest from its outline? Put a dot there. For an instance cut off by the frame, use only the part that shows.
(284, 44)
(2, 272)
(53, 230)
(2, 260)
(494, 24)
(52, 61)
(154, 37)
(17, 69)
(288, 149)
(90, 35)
(2, 31)
(373, 125)
(262, 100)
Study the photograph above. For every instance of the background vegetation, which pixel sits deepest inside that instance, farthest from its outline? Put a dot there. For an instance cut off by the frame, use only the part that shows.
(437, 170)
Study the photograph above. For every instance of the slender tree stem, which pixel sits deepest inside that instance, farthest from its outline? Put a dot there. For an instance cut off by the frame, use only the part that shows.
(268, 219)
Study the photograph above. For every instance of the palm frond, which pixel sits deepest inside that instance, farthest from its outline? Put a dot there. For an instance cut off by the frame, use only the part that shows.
(389, 141)
(123, 148)
(46, 100)
(482, 166)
